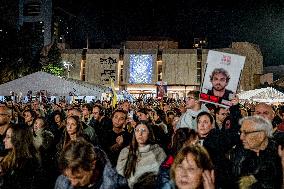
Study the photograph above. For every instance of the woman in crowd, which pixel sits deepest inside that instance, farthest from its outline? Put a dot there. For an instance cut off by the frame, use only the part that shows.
(57, 125)
(29, 116)
(44, 144)
(142, 156)
(43, 139)
(193, 169)
(20, 167)
(182, 137)
(174, 123)
(74, 130)
(217, 143)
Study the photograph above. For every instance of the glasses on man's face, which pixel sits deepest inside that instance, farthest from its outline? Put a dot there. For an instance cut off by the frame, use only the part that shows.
(245, 133)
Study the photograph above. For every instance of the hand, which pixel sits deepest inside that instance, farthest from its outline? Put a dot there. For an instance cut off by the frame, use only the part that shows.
(208, 179)
(119, 140)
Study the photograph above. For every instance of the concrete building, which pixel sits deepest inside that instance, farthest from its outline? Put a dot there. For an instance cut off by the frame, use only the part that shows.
(141, 64)
(36, 15)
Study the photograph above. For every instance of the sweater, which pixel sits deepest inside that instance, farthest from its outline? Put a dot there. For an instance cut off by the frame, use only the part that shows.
(149, 159)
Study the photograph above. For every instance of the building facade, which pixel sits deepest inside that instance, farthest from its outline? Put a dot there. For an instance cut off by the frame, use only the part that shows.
(36, 16)
(140, 65)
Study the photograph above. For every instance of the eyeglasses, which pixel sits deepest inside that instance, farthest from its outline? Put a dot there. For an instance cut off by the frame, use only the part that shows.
(142, 130)
(245, 133)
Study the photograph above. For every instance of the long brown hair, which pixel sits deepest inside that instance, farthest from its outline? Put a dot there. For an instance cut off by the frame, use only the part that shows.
(22, 150)
(133, 148)
(79, 130)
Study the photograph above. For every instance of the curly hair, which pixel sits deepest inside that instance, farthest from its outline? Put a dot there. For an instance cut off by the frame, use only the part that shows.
(220, 71)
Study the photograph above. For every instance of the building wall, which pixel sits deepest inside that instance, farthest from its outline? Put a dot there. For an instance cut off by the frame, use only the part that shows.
(253, 65)
(44, 16)
(151, 44)
(101, 65)
(74, 56)
(179, 65)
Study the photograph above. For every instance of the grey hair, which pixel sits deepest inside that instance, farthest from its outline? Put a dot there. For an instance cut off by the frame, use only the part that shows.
(260, 123)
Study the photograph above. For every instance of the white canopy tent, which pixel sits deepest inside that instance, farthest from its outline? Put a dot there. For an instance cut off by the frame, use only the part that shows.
(55, 86)
(267, 95)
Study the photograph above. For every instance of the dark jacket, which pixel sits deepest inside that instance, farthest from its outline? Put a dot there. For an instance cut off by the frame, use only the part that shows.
(164, 180)
(218, 143)
(109, 139)
(266, 167)
(28, 176)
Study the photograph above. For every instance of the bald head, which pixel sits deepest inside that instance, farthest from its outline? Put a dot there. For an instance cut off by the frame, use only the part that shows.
(265, 111)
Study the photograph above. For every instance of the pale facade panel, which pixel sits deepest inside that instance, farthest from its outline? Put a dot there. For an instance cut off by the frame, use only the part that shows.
(74, 57)
(169, 65)
(101, 65)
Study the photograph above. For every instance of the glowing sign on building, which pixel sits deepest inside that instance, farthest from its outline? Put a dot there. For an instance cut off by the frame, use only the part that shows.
(141, 68)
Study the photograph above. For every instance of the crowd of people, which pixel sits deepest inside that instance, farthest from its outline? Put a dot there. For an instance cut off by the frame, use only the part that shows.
(155, 144)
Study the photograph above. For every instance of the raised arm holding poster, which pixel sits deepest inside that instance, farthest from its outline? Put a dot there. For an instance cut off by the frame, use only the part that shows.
(221, 77)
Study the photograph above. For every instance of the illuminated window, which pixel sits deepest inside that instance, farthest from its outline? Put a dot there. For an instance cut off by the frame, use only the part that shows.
(160, 70)
(198, 72)
(141, 68)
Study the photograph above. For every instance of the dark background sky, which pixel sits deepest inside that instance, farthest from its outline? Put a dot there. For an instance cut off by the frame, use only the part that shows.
(112, 21)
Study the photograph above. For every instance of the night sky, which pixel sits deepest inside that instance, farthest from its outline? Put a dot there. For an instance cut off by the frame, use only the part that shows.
(112, 22)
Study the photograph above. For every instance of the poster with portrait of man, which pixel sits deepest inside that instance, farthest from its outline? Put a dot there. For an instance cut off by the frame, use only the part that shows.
(161, 89)
(221, 78)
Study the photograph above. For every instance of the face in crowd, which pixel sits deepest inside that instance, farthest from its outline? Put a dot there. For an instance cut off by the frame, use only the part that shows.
(85, 111)
(126, 106)
(141, 134)
(221, 115)
(4, 115)
(204, 125)
(39, 124)
(190, 101)
(57, 119)
(189, 168)
(265, 111)
(71, 126)
(96, 113)
(8, 139)
(142, 116)
(28, 117)
(175, 121)
(118, 119)
(254, 133)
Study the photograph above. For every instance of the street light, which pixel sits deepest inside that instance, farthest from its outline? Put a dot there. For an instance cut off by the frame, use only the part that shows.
(67, 65)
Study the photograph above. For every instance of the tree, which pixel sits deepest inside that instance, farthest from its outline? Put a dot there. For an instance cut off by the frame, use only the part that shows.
(54, 63)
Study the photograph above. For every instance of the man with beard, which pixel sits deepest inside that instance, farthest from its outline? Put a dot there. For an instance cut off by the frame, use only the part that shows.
(220, 79)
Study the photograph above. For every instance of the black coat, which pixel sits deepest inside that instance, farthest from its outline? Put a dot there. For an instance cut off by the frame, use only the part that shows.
(266, 167)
